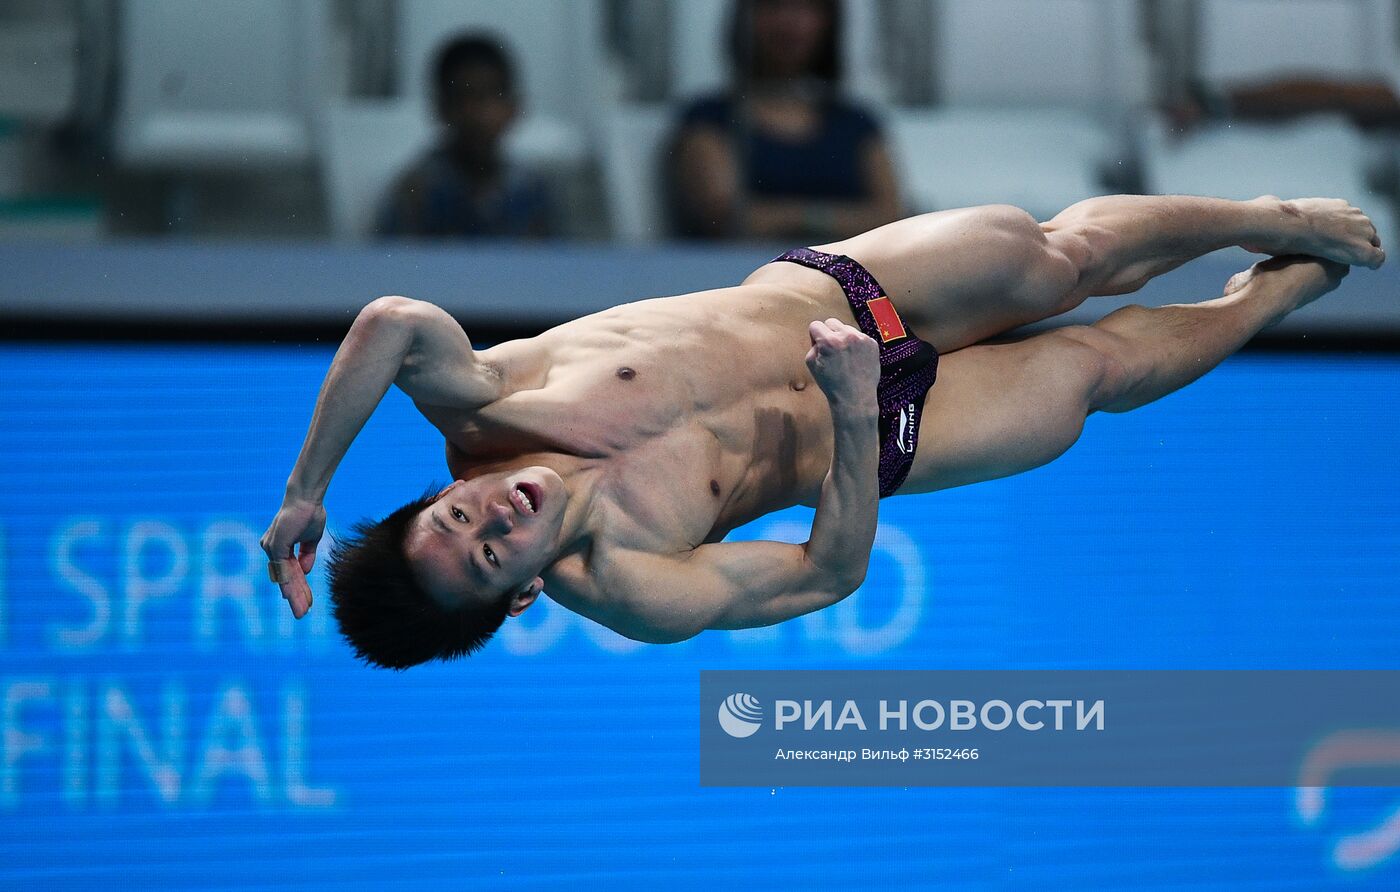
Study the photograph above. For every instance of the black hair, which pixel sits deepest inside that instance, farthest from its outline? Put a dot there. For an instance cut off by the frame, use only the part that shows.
(385, 613)
(471, 49)
(826, 65)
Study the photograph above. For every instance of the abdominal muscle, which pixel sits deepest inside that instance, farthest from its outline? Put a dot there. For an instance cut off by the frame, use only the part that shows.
(700, 408)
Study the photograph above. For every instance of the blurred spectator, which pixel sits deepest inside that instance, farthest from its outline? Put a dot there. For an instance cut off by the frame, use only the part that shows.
(464, 186)
(781, 155)
(1370, 104)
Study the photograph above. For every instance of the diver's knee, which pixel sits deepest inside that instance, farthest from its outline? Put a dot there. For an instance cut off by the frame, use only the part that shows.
(1102, 364)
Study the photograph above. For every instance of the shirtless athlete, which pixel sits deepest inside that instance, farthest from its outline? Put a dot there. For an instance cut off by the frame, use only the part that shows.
(605, 459)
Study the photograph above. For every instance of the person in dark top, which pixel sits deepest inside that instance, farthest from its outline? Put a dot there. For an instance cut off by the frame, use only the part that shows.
(781, 155)
(463, 187)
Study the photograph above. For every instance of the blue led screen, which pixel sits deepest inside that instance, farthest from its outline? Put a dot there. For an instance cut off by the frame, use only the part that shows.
(166, 724)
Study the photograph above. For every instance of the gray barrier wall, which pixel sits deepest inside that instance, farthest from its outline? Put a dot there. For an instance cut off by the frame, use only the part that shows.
(494, 286)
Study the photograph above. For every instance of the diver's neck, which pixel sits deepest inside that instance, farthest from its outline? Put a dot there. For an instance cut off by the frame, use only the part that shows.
(581, 481)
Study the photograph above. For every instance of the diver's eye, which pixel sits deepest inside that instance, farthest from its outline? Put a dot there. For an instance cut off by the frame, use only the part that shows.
(459, 514)
(490, 555)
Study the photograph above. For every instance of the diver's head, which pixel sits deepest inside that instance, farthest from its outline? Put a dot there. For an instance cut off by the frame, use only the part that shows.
(436, 578)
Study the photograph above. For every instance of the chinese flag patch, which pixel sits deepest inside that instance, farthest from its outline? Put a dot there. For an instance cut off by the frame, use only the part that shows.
(887, 318)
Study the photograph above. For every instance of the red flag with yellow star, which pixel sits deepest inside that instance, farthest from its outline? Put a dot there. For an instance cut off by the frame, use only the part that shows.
(887, 318)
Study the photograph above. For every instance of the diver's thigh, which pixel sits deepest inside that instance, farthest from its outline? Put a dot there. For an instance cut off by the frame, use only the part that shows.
(959, 277)
(1000, 409)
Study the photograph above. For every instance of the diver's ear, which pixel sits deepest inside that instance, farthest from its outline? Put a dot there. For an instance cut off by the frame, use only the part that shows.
(444, 491)
(526, 596)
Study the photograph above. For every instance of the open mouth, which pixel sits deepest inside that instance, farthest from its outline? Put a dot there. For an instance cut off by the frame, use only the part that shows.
(527, 498)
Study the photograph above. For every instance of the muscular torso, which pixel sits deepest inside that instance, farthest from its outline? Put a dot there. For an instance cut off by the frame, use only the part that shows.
(692, 414)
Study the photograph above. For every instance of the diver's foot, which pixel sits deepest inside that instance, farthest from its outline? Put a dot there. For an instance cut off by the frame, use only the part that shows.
(1327, 228)
(1292, 281)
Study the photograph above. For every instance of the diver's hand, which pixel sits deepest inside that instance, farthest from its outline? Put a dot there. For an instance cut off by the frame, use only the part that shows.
(290, 543)
(845, 363)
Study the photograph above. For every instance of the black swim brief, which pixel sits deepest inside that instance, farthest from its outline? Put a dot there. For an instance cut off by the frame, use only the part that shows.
(908, 365)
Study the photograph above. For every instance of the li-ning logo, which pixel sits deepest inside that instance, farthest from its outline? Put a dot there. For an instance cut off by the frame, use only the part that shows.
(740, 715)
(905, 440)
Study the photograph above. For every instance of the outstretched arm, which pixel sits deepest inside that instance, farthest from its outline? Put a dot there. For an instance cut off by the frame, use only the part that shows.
(740, 585)
(394, 340)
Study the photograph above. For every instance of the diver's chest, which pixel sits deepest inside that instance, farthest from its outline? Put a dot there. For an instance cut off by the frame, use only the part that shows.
(667, 492)
(637, 399)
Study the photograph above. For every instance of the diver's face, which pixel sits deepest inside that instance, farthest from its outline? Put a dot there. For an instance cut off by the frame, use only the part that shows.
(488, 537)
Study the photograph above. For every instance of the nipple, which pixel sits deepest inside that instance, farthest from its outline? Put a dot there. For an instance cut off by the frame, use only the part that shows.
(714, 487)
(627, 373)
(798, 385)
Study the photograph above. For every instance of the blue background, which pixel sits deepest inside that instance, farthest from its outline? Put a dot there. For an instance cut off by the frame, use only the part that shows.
(183, 730)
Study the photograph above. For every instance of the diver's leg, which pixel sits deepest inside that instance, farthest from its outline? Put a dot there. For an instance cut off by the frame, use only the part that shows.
(959, 277)
(1129, 239)
(999, 409)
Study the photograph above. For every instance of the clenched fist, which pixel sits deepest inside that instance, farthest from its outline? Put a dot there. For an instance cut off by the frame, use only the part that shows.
(845, 362)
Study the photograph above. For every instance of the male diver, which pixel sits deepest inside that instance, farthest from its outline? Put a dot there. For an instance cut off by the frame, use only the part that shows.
(605, 460)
